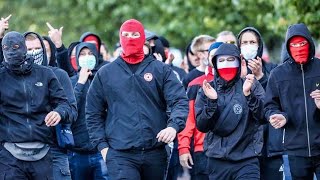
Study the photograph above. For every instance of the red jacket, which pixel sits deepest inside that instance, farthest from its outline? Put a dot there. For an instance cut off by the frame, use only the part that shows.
(184, 137)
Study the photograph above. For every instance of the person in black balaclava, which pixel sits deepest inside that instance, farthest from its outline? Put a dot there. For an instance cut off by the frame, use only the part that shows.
(32, 102)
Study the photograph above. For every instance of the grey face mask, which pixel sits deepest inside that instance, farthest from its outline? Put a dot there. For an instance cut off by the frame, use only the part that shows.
(37, 55)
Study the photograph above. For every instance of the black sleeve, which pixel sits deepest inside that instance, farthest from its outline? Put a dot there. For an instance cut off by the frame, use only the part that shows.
(255, 101)
(1, 53)
(68, 89)
(272, 100)
(58, 98)
(96, 107)
(64, 62)
(176, 99)
(206, 112)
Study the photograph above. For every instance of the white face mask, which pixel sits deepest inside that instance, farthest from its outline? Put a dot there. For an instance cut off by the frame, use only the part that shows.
(249, 51)
(206, 62)
(88, 61)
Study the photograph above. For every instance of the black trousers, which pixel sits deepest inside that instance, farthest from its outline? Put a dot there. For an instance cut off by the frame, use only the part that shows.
(136, 164)
(239, 170)
(269, 168)
(303, 168)
(12, 168)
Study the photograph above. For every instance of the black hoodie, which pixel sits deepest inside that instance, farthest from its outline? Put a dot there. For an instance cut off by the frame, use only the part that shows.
(232, 122)
(79, 129)
(62, 77)
(266, 67)
(52, 60)
(288, 93)
(272, 137)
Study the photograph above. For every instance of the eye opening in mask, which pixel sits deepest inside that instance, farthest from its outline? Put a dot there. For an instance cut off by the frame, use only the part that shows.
(15, 46)
(226, 59)
(299, 44)
(133, 35)
(230, 42)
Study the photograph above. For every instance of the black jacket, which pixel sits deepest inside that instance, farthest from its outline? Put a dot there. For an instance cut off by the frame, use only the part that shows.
(272, 137)
(288, 93)
(25, 102)
(127, 110)
(79, 129)
(232, 122)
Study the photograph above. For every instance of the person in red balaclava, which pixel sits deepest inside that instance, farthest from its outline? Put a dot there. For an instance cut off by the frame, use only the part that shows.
(127, 107)
(293, 102)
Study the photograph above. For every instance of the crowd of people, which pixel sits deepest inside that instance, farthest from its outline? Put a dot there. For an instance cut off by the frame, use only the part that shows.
(222, 111)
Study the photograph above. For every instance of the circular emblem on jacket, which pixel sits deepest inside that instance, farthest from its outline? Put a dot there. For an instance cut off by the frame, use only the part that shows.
(237, 109)
(148, 77)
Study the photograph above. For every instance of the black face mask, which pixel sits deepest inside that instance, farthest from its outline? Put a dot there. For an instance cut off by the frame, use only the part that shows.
(14, 52)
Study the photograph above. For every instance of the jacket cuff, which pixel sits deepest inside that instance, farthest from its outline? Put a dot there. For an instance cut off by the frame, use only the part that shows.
(61, 48)
(79, 87)
(102, 145)
(212, 102)
(183, 151)
(174, 126)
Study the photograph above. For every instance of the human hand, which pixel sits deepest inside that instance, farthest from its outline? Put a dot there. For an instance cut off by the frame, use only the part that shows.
(52, 118)
(55, 35)
(255, 65)
(247, 85)
(209, 91)
(167, 135)
(277, 121)
(186, 160)
(84, 75)
(4, 25)
(316, 96)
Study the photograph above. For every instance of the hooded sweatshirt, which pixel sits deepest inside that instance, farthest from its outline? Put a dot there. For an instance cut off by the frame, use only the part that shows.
(53, 49)
(232, 122)
(266, 67)
(27, 97)
(79, 129)
(288, 93)
(272, 137)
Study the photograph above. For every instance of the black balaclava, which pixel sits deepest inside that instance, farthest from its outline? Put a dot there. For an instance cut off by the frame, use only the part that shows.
(14, 51)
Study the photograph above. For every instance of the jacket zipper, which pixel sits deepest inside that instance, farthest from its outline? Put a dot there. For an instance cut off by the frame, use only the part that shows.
(306, 108)
(27, 105)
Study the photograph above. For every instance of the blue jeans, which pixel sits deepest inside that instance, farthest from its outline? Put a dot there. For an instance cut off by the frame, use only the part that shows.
(286, 167)
(87, 166)
(60, 164)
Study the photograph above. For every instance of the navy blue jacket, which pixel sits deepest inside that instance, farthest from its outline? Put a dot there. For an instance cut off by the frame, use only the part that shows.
(232, 122)
(127, 110)
(288, 93)
(79, 128)
(272, 137)
(25, 102)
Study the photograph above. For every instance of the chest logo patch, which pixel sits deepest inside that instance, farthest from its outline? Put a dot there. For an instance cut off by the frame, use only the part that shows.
(148, 77)
(237, 109)
(39, 84)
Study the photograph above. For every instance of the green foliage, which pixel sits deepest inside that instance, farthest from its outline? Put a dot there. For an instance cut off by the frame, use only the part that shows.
(178, 20)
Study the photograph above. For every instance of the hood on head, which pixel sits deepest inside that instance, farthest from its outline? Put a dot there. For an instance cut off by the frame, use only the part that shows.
(230, 50)
(299, 30)
(52, 60)
(150, 35)
(257, 33)
(90, 46)
(45, 59)
(187, 50)
(84, 35)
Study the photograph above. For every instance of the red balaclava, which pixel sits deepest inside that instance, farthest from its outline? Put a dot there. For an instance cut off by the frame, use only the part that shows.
(132, 48)
(299, 54)
(92, 39)
(227, 69)
(74, 63)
